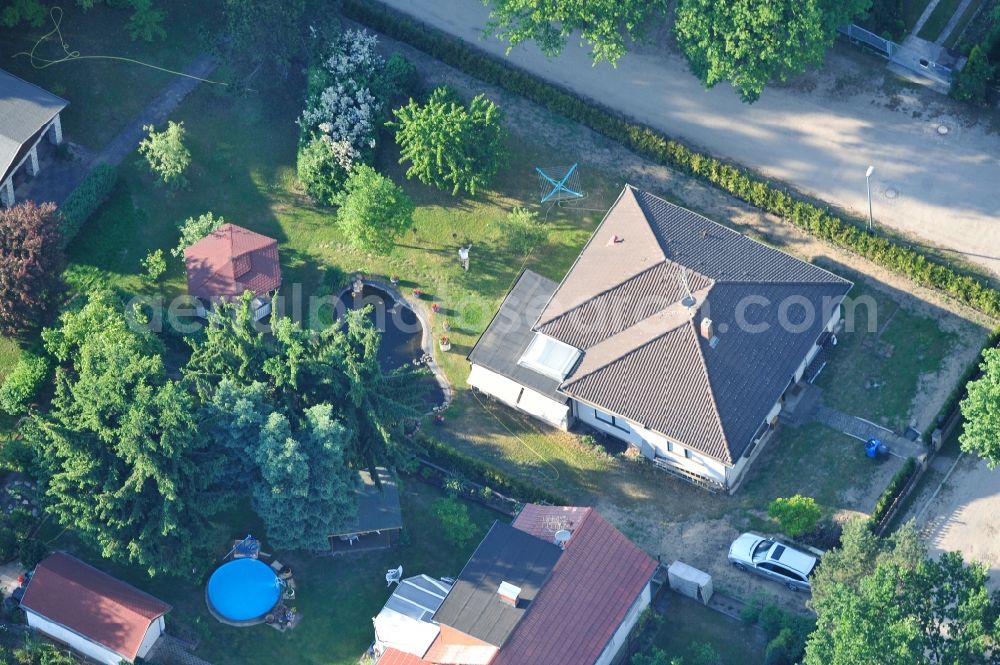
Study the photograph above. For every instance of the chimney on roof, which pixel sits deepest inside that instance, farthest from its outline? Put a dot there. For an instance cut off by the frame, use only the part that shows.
(707, 328)
(615, 239)
(509, 594)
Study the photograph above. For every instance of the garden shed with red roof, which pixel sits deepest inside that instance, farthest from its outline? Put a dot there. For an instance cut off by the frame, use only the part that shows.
(93, 613)
(230, 261)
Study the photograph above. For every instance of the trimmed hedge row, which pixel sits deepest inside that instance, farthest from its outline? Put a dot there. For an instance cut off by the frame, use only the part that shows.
(86, 199)
(648, 142)
(957, 393)
(892, 492)
(483, 473)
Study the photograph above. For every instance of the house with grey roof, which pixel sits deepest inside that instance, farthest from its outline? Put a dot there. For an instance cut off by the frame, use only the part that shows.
(27, 115)
(670, 332)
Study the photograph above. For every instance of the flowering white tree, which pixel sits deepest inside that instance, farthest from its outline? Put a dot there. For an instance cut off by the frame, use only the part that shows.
(346, 110)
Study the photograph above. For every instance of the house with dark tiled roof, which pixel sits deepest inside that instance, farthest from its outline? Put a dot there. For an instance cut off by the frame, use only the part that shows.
(27, 115)
(229, 261)
(559, 586)
(96, 615)
(670, 332)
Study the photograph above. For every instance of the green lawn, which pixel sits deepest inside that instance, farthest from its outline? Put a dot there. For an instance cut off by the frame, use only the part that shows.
(938, 19)
(812, 460)
(105, 94)
(875, 375)
(336, 596)
(967, 15)
(912, 9)
(688, 623)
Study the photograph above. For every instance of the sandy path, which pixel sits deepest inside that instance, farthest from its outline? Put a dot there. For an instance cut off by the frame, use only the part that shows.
(938, 188)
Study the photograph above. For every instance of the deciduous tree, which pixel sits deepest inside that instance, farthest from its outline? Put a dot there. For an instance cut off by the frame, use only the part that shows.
(166, 154)
(603, 24)
(194, 229)
(753, 42)
(881, 602)
(449, 145)
(373, 212)
(31, 262)
(266, 33)
(981, 411)
(796, 515)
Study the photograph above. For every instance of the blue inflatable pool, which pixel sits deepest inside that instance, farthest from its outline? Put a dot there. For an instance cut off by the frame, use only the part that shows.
(243, 590)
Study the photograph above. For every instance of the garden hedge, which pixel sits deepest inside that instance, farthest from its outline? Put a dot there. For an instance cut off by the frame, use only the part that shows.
(483, 473)
(23, 383)
(892, 492)
(654, 145)
(86, 199)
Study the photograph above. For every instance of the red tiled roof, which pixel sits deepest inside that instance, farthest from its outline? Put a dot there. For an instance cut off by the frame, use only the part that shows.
(93, 604)
(231, 260)
(543, 521)
(395, 657)
(586, 597)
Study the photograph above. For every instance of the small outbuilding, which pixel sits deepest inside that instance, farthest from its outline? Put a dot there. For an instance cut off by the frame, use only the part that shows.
(229, 261)
(379, 518)
(27, 114)
(689, 581)
(91, 612)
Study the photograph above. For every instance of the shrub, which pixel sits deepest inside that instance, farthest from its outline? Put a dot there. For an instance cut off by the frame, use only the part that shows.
(523, 231)
(194, 229)
(323, 165)
(399, 79)
(8, 544)
(482, 473)
(86, 199)
(32, 552)
(741, 183)
(23, 383)
(166, 154)
(373, 210)
(458, 526)
(892, 492)
(787, 632)
(155, 265)
(974, 81)
(795, 515)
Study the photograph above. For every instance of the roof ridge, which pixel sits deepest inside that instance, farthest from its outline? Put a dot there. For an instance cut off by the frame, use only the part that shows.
(711, 394)
(627, 188)
(112, 578)
(600, 294)
(620, 358)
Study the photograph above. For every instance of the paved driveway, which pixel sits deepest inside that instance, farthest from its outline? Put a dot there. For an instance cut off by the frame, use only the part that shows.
(965, 516)
(941, 189)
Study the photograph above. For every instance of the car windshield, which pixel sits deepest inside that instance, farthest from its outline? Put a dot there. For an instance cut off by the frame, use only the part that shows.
(761, 549)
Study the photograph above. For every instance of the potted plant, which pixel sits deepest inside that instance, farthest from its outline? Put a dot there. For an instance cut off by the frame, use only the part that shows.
(436, 308)
(394, 279)
(417, 293)
(446, 326)
(445, 343)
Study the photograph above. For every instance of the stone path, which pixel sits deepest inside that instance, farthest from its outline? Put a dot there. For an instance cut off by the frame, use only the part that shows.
(156, 113)
(170, 650)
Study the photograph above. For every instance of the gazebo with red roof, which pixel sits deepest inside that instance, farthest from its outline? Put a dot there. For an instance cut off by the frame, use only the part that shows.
(230, 261)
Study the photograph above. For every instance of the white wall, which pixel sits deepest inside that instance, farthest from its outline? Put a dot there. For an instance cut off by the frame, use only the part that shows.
(649, 441)
(73, 640)
(618, 639)
(524, 399)
(153, 634)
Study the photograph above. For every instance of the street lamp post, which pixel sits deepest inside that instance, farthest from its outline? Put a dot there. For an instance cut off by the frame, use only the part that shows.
(868, 182)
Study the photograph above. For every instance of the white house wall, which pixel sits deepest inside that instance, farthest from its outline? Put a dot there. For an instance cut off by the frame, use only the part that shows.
(152, 634)
(75, 641)
(648, 441)
(621, 635)
(520, 397)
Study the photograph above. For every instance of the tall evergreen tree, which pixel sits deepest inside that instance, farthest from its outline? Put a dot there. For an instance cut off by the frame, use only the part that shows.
(306, 493)
(123, 462)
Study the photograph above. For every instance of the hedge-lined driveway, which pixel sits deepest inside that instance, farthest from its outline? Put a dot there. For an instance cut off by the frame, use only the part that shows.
(937, 187)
